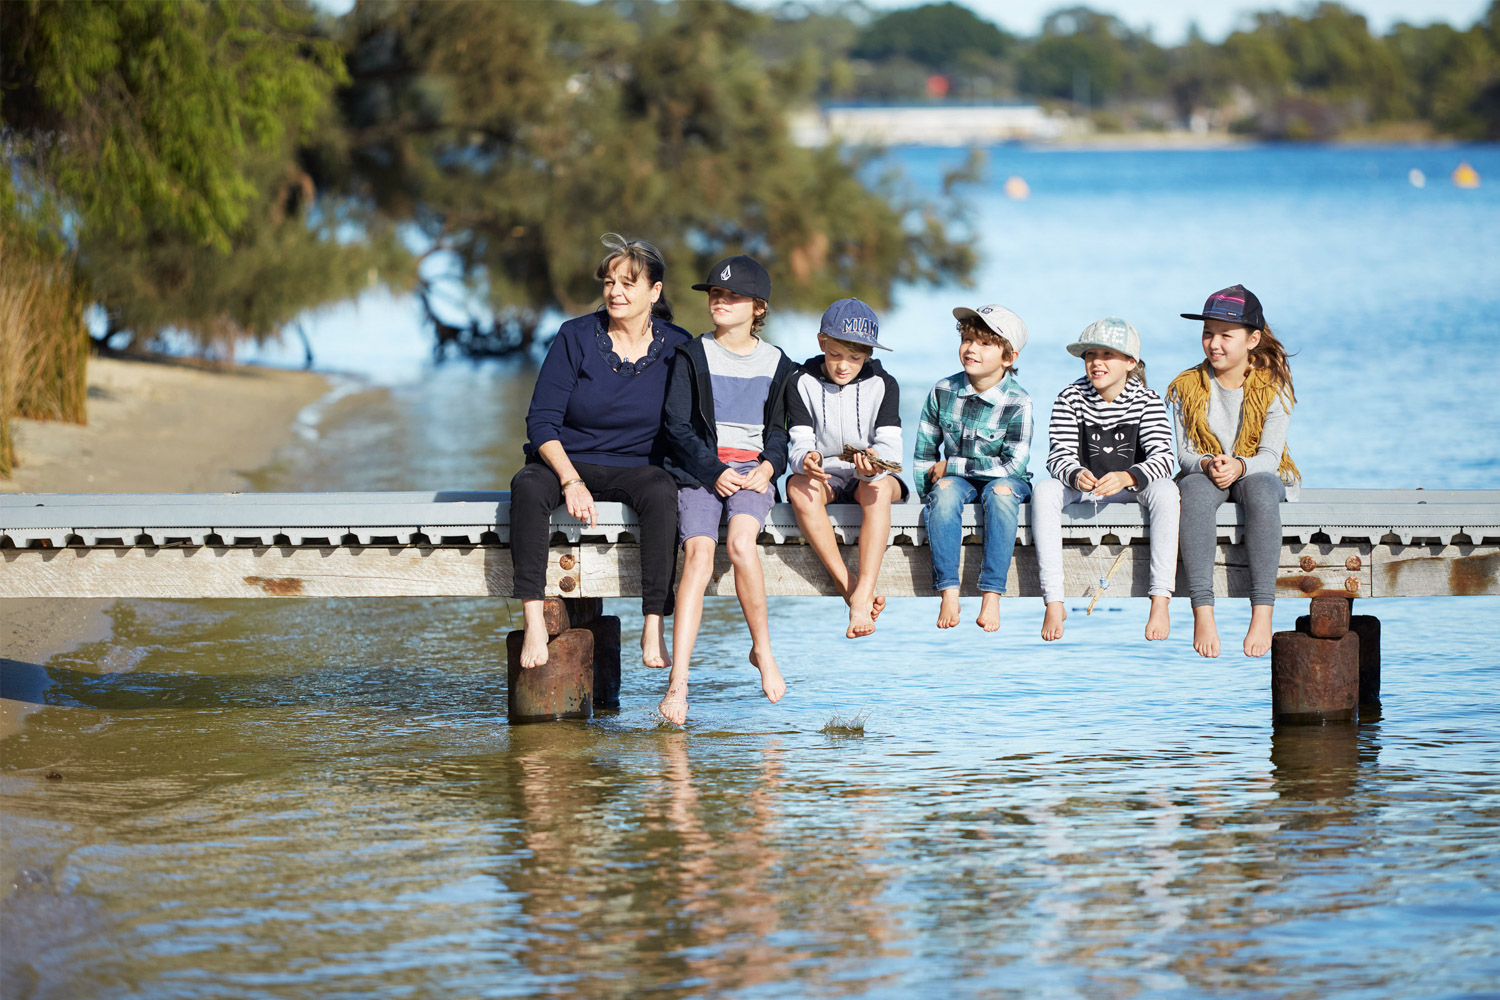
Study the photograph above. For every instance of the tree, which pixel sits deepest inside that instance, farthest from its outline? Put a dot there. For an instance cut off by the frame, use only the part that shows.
(933, 35)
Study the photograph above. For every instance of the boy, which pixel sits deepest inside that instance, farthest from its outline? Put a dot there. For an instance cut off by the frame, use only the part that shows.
(844, 398)
(725, 424)
(981, 417)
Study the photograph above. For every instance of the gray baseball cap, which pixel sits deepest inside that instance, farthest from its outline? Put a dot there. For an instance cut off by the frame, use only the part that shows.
(1112, 333)
(1000, 320)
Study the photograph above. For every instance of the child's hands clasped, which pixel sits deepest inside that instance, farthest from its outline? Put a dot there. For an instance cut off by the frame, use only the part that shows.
(729, 483)
(1224, 470)
(1108, 484)
(758, 479)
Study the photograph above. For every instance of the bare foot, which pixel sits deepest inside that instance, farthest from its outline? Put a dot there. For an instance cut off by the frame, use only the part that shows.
(949, 612)
(1052, 621)
(673, 705)
(877, 607)
(1205, 632)
(534, 648)
(861, 619)
(654, 652)
(1159, 622)
(771, 681)
(989, 611)
(1258, 638)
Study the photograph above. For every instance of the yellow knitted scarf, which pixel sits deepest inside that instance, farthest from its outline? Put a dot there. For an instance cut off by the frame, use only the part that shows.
(1190, 390)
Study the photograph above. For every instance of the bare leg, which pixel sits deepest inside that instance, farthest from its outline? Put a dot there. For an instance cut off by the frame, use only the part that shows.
(949, 610)
(1159, 623)
(534, 644)
(1258, 638)
(750, 588)
(874, 534)
(1052, 620)
(697, 568)
(654, 643)
(1205, 631)
(809, 499)
(989, 611)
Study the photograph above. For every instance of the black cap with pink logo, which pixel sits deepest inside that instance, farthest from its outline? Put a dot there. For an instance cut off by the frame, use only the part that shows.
(1235, 304)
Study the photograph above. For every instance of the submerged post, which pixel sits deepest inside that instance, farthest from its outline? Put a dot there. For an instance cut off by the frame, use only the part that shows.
(1315, 669)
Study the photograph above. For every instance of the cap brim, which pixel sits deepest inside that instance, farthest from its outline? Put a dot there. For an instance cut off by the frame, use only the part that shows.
(964, 312)
(703, 287)
(1183, 315)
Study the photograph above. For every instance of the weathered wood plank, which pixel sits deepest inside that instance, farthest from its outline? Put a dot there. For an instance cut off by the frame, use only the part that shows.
(601, 570)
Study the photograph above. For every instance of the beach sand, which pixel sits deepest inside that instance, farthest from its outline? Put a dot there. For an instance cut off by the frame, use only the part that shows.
(155, 426)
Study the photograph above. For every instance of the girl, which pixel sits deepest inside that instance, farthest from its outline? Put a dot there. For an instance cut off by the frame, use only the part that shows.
(1110, 443)
(1232, 413)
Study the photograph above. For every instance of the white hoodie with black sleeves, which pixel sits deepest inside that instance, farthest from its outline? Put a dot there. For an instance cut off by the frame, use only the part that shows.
(823, 417)
(1132, 434)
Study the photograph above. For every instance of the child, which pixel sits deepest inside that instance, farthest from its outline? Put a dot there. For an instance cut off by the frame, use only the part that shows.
(982, 419)
(1111, 442)
(1232, 413)
(725, 423)
(841, 399)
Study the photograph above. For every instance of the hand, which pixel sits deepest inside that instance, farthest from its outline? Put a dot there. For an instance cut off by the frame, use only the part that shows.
(1086, 481)
(758, 479)
(729, 483)
(1111, 483)
(1224, 470)
(863, 465)
(580, 503)
(812, 467)
(938, 471)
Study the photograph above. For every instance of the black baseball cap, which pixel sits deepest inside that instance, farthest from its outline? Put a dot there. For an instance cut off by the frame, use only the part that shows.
(1235, 304)
(740, 274)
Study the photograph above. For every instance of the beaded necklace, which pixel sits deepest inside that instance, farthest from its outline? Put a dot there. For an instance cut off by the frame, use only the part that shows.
(629, 368)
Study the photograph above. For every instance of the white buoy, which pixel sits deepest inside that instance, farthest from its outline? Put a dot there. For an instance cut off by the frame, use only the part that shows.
(1417, 178)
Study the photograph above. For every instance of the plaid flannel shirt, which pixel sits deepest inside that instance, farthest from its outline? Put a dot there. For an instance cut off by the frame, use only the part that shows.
(983, 435)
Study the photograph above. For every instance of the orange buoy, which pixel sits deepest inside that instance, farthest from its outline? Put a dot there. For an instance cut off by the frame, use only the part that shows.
(1017, 188)
(1465, 176)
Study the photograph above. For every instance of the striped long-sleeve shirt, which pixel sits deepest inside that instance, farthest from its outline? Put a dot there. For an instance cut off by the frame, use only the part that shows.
(982, 435)
(1131, 434)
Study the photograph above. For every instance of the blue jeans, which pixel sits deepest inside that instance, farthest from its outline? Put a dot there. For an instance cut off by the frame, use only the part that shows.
(945, 533)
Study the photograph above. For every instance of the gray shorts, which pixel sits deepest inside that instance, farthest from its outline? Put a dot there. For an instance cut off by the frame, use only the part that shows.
(843, 490)
(700, 510)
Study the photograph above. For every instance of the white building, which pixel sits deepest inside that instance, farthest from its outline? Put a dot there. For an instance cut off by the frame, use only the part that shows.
(945, 124)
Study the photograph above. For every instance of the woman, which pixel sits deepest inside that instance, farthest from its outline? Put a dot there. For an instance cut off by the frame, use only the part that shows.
(593, 433)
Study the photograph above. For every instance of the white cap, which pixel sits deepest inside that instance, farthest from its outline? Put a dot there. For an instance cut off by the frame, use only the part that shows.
(1111, 332)
(1000, 320)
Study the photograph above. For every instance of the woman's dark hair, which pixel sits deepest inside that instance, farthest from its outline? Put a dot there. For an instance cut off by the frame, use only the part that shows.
(641, 256)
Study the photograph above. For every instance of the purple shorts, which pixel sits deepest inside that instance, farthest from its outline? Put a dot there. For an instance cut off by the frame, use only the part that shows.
(700, 510)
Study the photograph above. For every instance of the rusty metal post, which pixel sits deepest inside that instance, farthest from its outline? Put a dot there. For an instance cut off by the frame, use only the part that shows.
(588, 613)
(562, 688)
(1367, 627)
(1327, 617)
(1312, 679)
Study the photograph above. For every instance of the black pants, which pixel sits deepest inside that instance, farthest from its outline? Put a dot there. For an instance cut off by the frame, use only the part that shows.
(649, 490)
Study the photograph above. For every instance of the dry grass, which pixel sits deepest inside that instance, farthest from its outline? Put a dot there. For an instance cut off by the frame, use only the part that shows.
(43, 344)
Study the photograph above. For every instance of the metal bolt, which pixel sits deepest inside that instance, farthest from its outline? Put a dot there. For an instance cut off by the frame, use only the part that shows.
(1351, 584)
(1309, 564)
(567, 562)
(1311, 585)
(567, 585)
(1352, 563)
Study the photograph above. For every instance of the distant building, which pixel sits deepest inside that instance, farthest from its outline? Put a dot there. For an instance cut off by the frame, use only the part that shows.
(939, 123)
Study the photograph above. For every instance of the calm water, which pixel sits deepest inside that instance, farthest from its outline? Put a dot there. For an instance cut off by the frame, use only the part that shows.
(322, 798)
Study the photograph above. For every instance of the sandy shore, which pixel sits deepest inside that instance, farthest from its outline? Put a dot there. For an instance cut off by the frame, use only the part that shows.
(155, 426)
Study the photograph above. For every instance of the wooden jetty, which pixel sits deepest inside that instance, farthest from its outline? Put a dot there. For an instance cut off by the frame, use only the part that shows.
(1337, 544)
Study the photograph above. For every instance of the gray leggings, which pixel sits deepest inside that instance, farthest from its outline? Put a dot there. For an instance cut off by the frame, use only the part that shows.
(1259, 497)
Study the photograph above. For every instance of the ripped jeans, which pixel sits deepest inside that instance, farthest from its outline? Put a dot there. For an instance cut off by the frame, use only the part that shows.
(945, 532)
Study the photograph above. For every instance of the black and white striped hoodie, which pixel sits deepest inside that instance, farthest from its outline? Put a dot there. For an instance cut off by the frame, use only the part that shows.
(823, 417)
(1132, 434)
